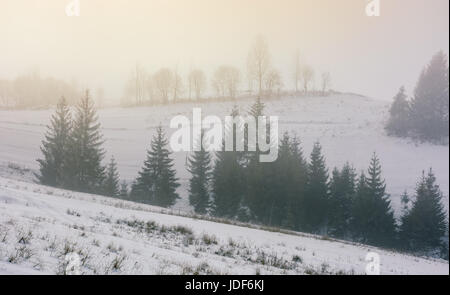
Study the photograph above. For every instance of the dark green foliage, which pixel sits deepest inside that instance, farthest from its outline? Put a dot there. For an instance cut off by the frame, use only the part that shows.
(257, 175)
(84, 171)
(54, 146)
(405, 200)
(260, 190)
(123, 194)
(317, 193)
(157, 183)
(373, 219)
(199, 165)
(399, 123)
(295, 178)
(343, 189)
(288, 184)
(425, 224)
(111, 184)
(228, 183)
(430, 105)
(257, 109)
(427, 115)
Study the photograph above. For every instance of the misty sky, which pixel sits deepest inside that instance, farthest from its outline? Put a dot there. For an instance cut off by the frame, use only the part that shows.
(367, 55)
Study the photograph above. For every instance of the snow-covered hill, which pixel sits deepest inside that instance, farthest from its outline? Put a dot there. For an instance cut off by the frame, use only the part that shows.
(350, 128)
(40, 226)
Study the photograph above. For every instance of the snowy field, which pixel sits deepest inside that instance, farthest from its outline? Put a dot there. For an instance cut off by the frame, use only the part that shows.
(39, 225)
(349, 127)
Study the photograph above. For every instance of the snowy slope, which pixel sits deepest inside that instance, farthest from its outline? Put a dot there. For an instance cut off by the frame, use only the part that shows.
(349, 127)
(39, 225)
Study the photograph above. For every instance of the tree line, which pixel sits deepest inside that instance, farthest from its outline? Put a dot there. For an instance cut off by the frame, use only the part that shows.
(33, 90)
(425, 115)
(292, 192)
(167, 85)
(73, 154)
(263, 79)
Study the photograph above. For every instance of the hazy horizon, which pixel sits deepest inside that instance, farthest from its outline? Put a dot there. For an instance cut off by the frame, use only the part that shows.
(373, 56)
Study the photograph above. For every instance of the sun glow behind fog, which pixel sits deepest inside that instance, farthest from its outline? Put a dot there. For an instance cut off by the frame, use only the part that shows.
(373, 56)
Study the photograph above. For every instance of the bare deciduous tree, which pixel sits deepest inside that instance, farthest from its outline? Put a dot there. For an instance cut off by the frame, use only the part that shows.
(297, 71)
(197, 82)
(273, 82)
(163, 82)
(177, 87)
(307, 77)
(326, 82)
(225, 81)
(258, 62)
(135, 87)
(31, 90)
(6, 93)
(150, 89)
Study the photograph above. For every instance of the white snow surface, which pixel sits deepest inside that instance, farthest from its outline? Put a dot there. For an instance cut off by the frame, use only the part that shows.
(349, 127)
(39, 225)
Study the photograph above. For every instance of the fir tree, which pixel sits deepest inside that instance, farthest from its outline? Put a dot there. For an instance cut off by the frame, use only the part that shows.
(257, 109)
(157, 183)
(424, 226)
(111, 184)
(430, 105)
(199, 165)
(287, 184)
(342, 188)
(399, 121)
(373, 219)
(55, 145)
(123, 190)
(294, 216)
(259, 176)
(317, 195)
(405, 200)
(84, 168)
(281, 185)
(228, 181)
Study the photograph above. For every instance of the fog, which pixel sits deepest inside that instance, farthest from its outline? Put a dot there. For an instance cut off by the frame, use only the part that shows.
(373, 56)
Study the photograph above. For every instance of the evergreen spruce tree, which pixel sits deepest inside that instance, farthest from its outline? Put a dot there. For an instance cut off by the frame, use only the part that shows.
(123, 194)
(287, 184)
(84, 171)
(373, 218)
(405, 200)
(199, 165)
(430, 104)
(399, 121)
(228, 179)
(55, 145)
(317, 195)
(257, 109)
(298, 181)
(342, 188)
(261, 189)
(360, 223)
(111, 186)
(425, 224)
(281, 182)
(258, 176)
(157, 183)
